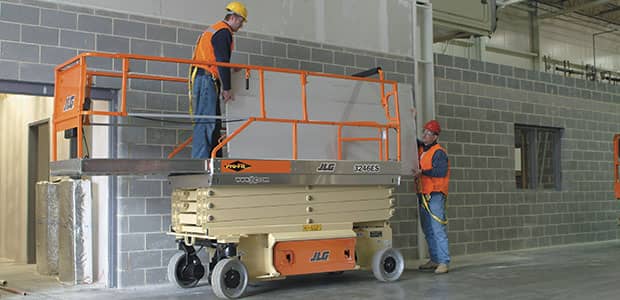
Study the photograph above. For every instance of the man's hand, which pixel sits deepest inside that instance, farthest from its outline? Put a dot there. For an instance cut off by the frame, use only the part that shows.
(417, 172)
(227, 96)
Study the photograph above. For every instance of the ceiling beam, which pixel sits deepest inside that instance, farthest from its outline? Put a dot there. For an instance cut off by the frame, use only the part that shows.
(571, 9)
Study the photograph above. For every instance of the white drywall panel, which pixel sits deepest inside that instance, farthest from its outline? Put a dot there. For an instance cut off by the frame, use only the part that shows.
(328, 99)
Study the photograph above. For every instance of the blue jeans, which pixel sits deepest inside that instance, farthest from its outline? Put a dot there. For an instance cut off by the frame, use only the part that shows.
(435, 232)
(205, 102)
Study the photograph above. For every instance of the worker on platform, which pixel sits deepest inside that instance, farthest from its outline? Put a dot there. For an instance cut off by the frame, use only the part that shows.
(433, 178)
(207, 81)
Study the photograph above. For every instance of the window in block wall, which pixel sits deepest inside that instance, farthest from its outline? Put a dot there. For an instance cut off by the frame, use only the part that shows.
(537, 157)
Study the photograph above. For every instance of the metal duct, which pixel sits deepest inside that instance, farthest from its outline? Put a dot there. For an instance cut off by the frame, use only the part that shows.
(75, 232)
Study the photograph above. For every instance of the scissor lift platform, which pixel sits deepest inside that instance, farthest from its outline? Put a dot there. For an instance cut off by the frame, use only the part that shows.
(260, 219)
(230, 171)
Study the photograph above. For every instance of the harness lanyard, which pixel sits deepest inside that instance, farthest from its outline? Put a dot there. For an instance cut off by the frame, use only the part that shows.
(193, 70)
(427, 198)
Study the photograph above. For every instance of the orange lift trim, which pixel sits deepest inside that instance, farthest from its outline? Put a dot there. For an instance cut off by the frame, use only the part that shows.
(67, 104)
(255, 166)
(295, 140)
(314, 256)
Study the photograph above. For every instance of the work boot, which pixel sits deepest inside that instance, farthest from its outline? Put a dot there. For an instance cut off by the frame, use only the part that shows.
(441, 269)
(429, 265)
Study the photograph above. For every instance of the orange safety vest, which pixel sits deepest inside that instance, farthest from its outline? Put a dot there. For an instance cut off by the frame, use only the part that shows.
(432, 184)
(204, 47)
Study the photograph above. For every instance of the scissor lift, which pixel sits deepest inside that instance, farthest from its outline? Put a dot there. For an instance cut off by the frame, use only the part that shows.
(259, 219)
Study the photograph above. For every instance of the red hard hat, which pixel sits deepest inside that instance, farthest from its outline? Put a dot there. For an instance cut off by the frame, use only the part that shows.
(433, 126)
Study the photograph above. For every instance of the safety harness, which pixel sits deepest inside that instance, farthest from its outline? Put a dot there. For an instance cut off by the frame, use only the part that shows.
(425, 200)
(193, 70)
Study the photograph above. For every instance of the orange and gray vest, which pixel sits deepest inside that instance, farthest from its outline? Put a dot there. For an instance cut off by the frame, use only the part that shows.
(432, 184)
(204, 48)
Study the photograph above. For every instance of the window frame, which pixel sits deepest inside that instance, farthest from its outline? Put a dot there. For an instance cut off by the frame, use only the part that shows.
(531, 152)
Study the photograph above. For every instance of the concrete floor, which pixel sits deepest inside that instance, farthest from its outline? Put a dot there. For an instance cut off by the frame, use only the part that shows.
(585, 271)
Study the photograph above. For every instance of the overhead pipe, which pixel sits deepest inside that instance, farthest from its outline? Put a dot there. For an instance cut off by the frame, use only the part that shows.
(607, 76)
(567, 70)
(573, 9)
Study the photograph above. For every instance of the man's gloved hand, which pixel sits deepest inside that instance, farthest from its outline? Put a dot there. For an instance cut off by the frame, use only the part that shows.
(227, 96)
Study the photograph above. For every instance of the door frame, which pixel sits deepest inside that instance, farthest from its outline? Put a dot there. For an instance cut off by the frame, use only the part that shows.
(31, 222)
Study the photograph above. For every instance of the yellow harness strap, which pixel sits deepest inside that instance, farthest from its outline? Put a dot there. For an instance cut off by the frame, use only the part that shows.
(193, 70)
(425, 200)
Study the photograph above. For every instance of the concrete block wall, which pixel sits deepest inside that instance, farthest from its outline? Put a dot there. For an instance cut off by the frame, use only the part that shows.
(478, 104)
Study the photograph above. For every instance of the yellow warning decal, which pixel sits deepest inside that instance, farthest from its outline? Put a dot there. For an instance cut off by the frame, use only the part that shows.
(313, 227)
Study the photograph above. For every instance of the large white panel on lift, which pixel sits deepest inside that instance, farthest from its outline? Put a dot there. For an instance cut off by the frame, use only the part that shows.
(328, 99)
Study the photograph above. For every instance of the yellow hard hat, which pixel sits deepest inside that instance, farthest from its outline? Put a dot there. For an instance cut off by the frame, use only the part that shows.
(238, 8)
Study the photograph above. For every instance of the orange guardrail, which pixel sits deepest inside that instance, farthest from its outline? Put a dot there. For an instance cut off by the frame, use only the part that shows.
(74, 80)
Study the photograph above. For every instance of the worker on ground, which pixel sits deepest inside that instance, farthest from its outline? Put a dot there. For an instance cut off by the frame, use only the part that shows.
(214, 45)
(433, 178)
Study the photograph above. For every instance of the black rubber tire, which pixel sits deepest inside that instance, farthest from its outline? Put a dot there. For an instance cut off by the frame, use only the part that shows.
(173, 276)
(226, 270)
(388, 264)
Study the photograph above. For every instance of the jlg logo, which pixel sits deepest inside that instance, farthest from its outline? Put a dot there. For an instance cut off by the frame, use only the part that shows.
(69, 103)
(320, 256)
(326, 167)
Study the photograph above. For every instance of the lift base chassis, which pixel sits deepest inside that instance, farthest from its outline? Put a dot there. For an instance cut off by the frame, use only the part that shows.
(268, 219)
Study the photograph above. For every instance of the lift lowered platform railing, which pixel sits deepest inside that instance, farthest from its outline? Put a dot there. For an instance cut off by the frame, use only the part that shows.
(75, 78)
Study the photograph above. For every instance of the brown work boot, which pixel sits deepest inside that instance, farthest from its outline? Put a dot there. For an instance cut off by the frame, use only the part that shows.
(441, 269)
(429, 265)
